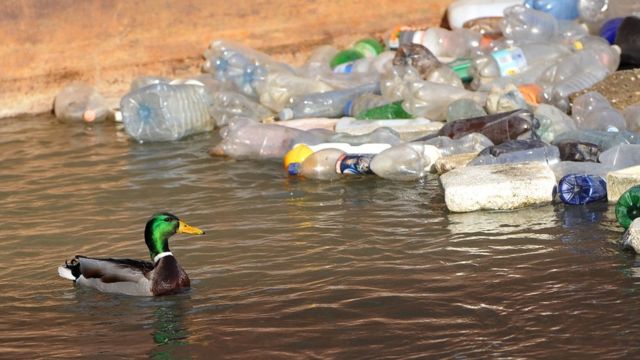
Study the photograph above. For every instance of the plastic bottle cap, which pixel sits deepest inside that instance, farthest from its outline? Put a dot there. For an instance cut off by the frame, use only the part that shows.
(532, 93)
(285, 114)
(89, 116)
(117, 116)
(297, 155)
(461, 67)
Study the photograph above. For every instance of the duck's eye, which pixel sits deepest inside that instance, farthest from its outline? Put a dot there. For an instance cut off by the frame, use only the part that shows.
(168, 219)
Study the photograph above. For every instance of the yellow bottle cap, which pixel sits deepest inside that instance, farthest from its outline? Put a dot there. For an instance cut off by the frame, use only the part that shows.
(297, 155)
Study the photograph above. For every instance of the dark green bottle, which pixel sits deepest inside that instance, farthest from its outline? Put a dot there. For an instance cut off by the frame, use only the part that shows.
(393, 110)
(628, 206)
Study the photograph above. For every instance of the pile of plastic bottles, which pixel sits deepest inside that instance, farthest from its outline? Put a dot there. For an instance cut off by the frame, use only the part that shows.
(485, 104)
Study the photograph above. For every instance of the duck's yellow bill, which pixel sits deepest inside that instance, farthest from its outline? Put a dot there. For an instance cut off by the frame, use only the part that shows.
(184, 228)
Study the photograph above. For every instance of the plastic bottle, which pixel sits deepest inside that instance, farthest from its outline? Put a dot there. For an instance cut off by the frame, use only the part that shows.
(578, 151)
(382, 135)
(632, 117)
(406, 128)
(164, 112)
(408, 161)
(80, 101)
(431, 100)
(142, 81)
(621, 156)
(357, 164)
(246, 139)
(498, 127)
(299, 152)
(364, 102)
(628, 206)
(327, 104)
(603, 139)
(579, 189)
(552, 121)
(321, 165)
(609, 29)
(593, 111)
(227, 105)
(464, 109)
(443, 43)
(560, 9)
(393, 110)
(379, 64)
(461, 11)
(471, 143)
(523, 25)
(364, 48)
(564, 168)
(276, 90)
(517, 151)
(417, 56)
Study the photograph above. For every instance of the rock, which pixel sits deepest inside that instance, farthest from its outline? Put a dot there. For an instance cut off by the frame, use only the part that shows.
(450, 162)
(621, 88)
(631, 238)
(498, 187)
(620, 181)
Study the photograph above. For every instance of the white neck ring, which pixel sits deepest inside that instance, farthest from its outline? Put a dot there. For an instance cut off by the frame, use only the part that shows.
(161, 255)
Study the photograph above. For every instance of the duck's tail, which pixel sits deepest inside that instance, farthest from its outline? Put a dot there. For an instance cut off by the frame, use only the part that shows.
(70, 270)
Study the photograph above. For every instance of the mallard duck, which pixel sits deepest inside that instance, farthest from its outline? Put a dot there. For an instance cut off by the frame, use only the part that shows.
(163, 276)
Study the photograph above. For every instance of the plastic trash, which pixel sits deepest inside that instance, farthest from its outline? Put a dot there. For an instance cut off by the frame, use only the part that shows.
(443, 43)
(299, 152)
(628, 207)
(408, 161)
(560, 9)
(363, 103)
(523, 25)
(431, 100)
(579, 189)
(629, 42)
(354, 164)
(578, 151)
(227, 105)
(564, 168)
(364, 48)
(393, 110)
(632, 117)
(461, 11)
(498, 127)
(417, 56)
(327, 104)
(609, 29)
(142, 81)
(245, 139)
(80, 101)
(378, 64)
(621, 156)
(552, 121)
(321, 165)
(474, 142)
(593, 111)
(164, 112)
(518, 151)
(381, 135)
(276, 90)
(407, 129)
(603, 139)
(464, 109)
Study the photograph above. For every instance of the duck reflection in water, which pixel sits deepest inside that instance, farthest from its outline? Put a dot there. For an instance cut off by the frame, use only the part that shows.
(169, 329)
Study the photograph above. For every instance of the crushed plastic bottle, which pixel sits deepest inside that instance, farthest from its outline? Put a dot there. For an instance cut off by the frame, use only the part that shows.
(363, 103)
(80, 101)
(276, 90)
(621, 156)
(517, 151)
(406, 162)
(227, 105)
(579, 189)
(164, 112)
(381, 135)
(552, 121)
(593, 111)
(470, 143)
(578, 151)
(523, 25)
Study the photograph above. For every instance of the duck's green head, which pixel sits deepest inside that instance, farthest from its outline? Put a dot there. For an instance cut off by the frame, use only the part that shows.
(161, 227)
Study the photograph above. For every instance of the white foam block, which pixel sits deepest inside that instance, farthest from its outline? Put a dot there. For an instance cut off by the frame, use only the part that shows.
(498, 187)
(631, 237)
(620, 181)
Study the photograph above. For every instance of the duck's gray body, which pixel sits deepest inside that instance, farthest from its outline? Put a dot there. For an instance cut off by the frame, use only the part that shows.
(125, 276)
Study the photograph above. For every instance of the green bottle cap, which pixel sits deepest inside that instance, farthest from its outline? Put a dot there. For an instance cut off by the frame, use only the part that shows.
(461, 67)
(345, 56)
(369, 47)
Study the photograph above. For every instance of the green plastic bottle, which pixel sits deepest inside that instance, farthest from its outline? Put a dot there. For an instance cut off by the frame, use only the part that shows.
(628, 206)
(393, 110)
(363, 48)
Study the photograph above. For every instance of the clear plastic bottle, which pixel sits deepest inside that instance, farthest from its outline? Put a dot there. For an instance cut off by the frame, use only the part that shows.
(382, 135)
(80, 101)
(603, 139)
(275, 90)
(431, 100)
(142, 81)
(552, 121)
(560, 9)
(517, 151)
(408, 161)
(164, 112)
(579, 189)
(363, 103)
(379, 64)
(317, 67)
(593, 111)
(321, 165)
(524, 25)
(327, 104)
(632, 117)
(227, 105)
(443, 43)
(621, 156)
(474, 142)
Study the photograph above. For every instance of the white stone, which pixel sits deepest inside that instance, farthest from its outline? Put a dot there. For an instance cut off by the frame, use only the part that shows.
(450, 162)
(498, 187)
(620, 181)
(631, 238)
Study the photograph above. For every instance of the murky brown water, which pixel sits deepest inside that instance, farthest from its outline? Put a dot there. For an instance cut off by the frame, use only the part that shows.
(363, 268)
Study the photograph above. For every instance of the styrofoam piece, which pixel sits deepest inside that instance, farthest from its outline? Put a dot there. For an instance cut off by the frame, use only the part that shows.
(631, 237)
(620, 181)
(498, 187)
(450, 162)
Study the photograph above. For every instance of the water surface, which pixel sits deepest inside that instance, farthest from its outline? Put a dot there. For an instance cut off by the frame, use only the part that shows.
(361, 268)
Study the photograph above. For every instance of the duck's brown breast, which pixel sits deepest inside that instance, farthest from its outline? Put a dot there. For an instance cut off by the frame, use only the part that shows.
(169, 277)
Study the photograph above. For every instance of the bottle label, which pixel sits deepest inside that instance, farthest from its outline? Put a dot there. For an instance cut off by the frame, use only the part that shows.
(347, 108)
(346, 68)
(510, 61)
(354, 164)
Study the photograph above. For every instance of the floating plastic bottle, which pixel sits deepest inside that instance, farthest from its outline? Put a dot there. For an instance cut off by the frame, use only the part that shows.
(358, 164)
(327, 104)
(80, 101)
(498, 127)
(381, 135)
(227, 105)
(246, 139)
(390, 111)
(628, 207)
(517, 151)
(164, 112)
(300, 152)
(593, 111)
(408, 161)
(579, 189)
